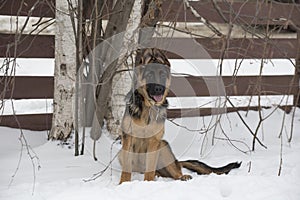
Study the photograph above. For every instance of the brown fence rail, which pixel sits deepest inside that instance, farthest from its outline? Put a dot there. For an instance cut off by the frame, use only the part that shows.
(31, 87)
(250, 12)
(36, 122)
(27, 87)
(29, 46)
(233, 86)
(24, 8)
(40, 122)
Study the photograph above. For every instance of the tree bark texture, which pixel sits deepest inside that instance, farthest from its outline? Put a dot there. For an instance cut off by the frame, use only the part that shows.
(122, 81)
(64, 73)
(110, 48)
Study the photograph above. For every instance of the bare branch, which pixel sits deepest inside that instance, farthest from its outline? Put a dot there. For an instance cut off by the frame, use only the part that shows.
(204, 21)
(246, 125)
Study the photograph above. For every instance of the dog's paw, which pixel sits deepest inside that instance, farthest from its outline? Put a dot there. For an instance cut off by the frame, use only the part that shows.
(186, 177)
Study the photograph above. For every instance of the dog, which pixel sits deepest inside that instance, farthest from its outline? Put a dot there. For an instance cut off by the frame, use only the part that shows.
(143, 149)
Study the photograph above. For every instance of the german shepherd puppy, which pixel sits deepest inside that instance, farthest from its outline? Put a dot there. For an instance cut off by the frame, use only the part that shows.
(143, 149)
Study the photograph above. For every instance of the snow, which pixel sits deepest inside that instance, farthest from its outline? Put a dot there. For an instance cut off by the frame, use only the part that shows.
(61, 175)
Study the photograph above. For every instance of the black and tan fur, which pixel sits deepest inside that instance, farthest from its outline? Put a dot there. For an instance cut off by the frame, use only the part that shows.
(143, 149)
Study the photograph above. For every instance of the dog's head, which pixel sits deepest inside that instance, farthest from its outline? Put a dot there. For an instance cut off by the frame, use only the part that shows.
(152, 76)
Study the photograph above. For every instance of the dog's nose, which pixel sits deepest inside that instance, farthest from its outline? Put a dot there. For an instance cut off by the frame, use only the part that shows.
(158, 89)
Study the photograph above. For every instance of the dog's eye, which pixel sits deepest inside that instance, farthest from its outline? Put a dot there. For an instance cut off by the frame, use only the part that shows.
(163, 75)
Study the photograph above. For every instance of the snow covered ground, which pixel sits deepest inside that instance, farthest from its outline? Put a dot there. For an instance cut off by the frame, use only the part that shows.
(54, 173)
(57, 174)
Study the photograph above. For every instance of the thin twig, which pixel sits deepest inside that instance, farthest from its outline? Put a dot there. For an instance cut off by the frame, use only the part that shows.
(281, 159)
(99, 174)
(246, 125)
(203, 20)
(249, 168)
(232, 140)
(30, 152)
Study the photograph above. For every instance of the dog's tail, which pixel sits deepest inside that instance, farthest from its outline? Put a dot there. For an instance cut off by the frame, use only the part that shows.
(202, 168)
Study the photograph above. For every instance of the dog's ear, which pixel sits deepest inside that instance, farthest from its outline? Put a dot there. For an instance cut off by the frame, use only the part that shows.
(139, 57)
(143, 56)
(151, 55)
(160, 57)
(147, 56)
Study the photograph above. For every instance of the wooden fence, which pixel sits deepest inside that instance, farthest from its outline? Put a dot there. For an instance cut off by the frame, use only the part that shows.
(42, 46)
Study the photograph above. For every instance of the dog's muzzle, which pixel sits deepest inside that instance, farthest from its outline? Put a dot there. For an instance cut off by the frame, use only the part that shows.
(156, 91)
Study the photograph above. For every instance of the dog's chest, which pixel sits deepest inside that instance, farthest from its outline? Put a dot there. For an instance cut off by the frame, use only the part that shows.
(151, 123)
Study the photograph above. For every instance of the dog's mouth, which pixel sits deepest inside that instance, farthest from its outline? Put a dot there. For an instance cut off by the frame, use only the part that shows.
(157, 98)
(155, 92)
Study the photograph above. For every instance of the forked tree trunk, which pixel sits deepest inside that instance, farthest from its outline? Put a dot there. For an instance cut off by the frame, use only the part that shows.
(141, 25)
(111, 48)
(64, 73)
(122, 81)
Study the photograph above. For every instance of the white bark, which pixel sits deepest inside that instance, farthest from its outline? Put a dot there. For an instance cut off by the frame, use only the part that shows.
(64, 73)
(122, 81)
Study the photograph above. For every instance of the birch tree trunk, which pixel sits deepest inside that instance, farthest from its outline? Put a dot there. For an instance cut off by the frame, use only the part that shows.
(64, 73)
(122, 81)
(111, 49)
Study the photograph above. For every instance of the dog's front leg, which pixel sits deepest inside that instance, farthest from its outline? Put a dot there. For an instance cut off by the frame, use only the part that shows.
(151, 159)
(126, 154)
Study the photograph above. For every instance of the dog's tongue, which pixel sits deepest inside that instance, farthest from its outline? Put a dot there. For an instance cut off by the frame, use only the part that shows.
(157, 98)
